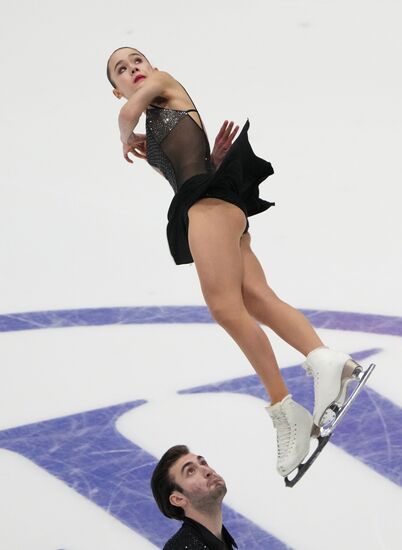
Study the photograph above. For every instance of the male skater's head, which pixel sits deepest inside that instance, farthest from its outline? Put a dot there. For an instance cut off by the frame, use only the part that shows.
(186, 488)
(184, 483)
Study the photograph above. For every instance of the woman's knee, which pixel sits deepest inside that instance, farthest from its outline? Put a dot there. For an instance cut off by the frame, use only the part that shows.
(226, 313)
(261, 303)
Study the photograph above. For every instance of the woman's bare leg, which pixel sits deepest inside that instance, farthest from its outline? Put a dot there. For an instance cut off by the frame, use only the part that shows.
(215, 231)
(265, 306)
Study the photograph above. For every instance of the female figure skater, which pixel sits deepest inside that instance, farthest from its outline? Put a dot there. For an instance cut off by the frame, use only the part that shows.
(207, 224)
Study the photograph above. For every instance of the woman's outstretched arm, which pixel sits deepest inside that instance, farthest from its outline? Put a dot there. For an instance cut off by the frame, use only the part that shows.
(155, 85)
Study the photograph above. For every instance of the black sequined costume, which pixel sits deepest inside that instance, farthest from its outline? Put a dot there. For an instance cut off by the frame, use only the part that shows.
(194, 536)
(178, 147)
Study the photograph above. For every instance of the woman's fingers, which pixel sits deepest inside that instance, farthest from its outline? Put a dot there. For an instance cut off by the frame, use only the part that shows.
(139, 150)
(136, 139)
(221, 131)
(231, 136)
(126, 150)
(139, 153)
(235, 130)
(226, 135)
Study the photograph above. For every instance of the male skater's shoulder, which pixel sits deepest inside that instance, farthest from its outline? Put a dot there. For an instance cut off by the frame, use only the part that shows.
(194, 536)
(186, 537)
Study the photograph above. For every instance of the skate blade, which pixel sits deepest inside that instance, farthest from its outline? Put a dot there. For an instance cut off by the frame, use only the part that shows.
(338, 411)
(351, 371)
(302, 468)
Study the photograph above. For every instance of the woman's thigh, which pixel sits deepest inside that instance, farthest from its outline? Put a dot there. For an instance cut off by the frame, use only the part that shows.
(215, 231)
(254, 283)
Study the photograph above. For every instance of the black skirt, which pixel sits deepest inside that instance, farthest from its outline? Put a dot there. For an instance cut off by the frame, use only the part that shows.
(236, 181)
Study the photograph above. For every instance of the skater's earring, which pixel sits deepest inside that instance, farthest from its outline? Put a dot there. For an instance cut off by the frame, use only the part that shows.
(177, 499)
(117, 94)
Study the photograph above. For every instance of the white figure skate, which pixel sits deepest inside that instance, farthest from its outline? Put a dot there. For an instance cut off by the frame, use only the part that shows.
(293, 424)
(332, 372)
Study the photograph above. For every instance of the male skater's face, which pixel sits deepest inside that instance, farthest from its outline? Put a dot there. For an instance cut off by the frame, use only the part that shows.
(128, 68)
(201, 485)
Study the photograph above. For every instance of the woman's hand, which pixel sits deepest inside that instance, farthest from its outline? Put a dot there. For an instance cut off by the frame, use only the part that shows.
(223, 142)
(137, 145)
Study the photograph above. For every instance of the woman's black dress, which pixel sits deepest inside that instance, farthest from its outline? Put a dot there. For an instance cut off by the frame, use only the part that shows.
(178, 147)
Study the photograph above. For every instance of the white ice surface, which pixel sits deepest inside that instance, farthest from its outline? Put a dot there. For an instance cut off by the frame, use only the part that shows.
(42, 513)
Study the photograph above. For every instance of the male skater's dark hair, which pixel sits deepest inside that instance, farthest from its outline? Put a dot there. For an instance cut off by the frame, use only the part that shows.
(162, 484)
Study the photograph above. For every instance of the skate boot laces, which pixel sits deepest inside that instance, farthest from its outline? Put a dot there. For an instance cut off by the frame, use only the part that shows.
(284, 437)
(327, 416)
(314, 374)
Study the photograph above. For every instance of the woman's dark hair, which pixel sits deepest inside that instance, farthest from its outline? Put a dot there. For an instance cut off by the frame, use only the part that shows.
(163, 486)
(109, 76)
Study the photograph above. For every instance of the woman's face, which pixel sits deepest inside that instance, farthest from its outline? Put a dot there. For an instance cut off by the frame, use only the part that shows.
(127, 69)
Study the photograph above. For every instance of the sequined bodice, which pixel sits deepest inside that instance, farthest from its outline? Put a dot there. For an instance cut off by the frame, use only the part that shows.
(176, 145)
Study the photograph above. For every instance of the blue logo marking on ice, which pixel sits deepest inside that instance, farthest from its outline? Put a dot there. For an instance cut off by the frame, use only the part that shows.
(335, 320)
(87, 453)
